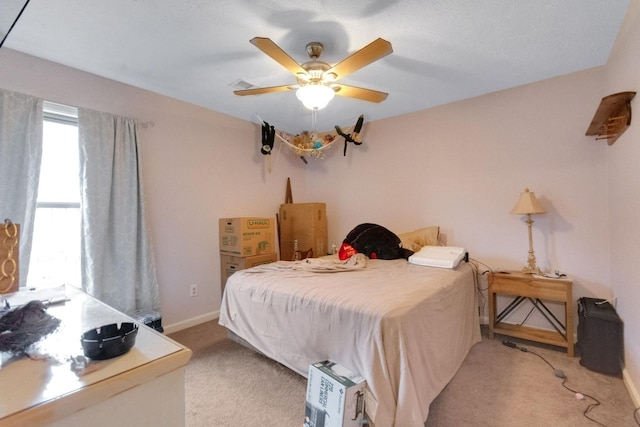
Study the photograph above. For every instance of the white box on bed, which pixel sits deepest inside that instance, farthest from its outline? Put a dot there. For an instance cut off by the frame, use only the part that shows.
(438, 256)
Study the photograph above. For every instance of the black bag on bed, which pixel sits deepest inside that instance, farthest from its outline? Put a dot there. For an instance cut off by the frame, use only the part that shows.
(375, 241)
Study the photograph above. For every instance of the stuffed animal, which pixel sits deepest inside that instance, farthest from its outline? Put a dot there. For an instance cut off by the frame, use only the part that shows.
(268, 138)
(352, 137)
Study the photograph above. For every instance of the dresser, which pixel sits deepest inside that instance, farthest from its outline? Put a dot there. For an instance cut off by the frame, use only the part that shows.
(143, 387)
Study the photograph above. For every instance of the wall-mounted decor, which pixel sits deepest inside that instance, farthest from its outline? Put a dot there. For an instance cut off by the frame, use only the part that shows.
(612, 117)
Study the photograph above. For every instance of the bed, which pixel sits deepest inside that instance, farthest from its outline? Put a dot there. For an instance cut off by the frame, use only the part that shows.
(405, 328)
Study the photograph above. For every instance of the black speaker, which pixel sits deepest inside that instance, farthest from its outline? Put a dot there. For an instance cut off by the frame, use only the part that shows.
(599, 336)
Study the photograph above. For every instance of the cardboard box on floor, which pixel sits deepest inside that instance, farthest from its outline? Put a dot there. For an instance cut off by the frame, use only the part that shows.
(229, 264)
(335, 396)
(247, 236)
(306, 223)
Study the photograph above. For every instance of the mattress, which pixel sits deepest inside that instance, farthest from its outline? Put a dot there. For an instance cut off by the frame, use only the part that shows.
(405, 328)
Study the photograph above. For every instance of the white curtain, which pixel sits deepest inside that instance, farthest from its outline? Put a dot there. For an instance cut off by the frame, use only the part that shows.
(117, 262)
(20, 157)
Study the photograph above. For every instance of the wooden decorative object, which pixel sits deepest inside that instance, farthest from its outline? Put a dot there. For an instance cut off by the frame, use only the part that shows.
(612, 118)
(9, 257)
(288, 198)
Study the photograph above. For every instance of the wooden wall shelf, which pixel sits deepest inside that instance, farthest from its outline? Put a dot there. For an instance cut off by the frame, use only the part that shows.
(612, 118)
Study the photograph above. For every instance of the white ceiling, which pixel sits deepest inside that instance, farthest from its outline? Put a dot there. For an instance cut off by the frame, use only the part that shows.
(192, 50)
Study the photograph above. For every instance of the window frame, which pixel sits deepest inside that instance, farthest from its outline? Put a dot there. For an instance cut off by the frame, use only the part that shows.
(66, 115)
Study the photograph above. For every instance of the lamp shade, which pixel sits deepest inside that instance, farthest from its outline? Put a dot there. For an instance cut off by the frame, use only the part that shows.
(315, 96)
(527, 204)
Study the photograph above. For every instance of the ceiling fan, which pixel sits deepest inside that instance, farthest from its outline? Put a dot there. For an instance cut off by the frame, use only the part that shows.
(317, 79)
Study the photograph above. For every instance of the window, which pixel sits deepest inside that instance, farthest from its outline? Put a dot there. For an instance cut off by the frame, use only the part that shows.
(55, 253)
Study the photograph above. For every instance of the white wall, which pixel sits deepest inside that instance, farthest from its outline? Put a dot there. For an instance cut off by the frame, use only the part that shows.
(623, 74)
(462, 166)
(198, 166)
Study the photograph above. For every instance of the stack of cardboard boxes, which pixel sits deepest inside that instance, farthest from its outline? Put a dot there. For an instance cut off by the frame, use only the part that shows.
(244, 243)
(250, 241)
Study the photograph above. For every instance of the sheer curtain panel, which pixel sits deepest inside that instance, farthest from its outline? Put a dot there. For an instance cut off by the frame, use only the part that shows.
(20, 157)
(117, 262)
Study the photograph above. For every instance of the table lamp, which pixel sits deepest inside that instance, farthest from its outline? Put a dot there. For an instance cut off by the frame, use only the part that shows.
(527, 204)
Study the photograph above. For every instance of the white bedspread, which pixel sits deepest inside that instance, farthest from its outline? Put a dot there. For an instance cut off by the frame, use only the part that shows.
(405, 328)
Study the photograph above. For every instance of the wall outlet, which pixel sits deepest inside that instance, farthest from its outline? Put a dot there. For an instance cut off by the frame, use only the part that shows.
(193, 290)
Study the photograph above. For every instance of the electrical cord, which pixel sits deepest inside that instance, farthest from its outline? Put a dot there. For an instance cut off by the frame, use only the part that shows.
(475, 263)
(474, 268)
(560, 374)
(527, 316)
(476, 280)
(557, 372)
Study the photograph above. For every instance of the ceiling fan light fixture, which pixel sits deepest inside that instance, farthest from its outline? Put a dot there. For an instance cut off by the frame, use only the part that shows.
(330, 77)
(315, 96)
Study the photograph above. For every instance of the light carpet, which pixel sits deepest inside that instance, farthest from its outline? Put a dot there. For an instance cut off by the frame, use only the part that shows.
(229, 385)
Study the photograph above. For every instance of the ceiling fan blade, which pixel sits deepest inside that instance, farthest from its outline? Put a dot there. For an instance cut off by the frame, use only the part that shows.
(277, 54)
(375, 50)
(261, 90)
(360, 93)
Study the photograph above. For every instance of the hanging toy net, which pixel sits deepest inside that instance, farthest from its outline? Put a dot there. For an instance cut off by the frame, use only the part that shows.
(307, 143)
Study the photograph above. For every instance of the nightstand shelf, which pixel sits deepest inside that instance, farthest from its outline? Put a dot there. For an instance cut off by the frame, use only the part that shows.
(525, 287)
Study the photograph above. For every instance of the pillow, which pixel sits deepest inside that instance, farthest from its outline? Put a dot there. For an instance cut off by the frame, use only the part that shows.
(409, 244)
(374, 241)
(427, 236)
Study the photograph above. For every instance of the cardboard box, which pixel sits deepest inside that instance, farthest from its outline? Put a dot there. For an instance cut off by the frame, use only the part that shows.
(335, 396)
(229, 264)
(247, 236)
(306, 223)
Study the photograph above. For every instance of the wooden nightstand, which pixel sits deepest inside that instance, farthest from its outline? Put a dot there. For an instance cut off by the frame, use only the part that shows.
(523, 287)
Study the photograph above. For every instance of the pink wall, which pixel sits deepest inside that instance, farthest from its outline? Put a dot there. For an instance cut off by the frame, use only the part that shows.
(623, 74)
(462, 166)
(198, 166)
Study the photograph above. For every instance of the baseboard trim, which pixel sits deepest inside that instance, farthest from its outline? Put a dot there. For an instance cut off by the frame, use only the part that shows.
(631, 388)
(188, 323)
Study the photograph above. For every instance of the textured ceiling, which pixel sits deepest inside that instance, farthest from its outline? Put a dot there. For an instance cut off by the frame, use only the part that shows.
(193, 50)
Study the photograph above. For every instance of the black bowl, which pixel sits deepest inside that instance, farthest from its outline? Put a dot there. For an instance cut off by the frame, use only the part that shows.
(109, 341)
